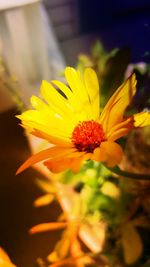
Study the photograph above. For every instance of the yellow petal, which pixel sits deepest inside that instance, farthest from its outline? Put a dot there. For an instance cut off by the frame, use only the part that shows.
(115, 108)
(40, 117)
(55, 100)
(79, 91)
(61, 112)
(92, 86)
(142, 119)
(76, 84)
(75, 108)
(39, 104)
(53, 140)
(65, 89)
(53, 116)
(48, 110)
(58, 103)
(47, 123)
(48, 130)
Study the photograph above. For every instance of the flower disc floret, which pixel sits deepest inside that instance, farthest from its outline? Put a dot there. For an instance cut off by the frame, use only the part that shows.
(88, 135)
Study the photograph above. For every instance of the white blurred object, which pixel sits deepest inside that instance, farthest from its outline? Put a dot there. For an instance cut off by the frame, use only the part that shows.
(141, 66)
(4, 4)
(29, 47)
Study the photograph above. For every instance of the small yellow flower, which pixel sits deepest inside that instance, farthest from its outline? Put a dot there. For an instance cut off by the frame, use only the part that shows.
(70, 119)
(5, 260)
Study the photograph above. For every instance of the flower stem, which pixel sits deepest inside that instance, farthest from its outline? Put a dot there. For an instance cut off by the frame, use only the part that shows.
(137, 176)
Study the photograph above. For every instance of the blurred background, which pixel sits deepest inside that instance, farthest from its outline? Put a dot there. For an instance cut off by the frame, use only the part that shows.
(37, 40)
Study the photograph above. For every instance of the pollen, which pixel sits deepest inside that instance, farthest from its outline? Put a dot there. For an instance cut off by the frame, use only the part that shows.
(88, 135)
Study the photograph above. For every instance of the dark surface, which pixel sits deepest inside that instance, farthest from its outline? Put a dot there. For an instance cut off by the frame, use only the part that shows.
(17, 193)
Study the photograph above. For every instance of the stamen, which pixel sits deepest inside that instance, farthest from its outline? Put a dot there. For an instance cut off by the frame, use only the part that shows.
(88, 135)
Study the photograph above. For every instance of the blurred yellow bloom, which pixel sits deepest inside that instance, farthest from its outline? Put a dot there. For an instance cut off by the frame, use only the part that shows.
(5, 260)
(70, 119)
(111, 190)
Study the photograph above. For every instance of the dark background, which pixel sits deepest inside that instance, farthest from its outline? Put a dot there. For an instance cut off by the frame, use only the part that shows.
(118, 24)
(17, 193)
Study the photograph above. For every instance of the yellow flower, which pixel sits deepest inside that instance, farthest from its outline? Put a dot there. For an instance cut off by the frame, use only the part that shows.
(70, 119)
(5, 260)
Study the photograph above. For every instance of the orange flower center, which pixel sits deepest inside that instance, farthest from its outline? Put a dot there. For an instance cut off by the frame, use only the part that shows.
(88, 135)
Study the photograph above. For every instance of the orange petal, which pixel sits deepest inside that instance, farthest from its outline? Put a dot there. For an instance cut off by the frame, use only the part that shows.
(47, 227)
(121, 129)
(77, 162)
(42, 155)
(75, 248)
(99, 154)
(108, 152)
(44, 200)
(115, 108)
(72, 261)
(119, 133)
(65, 262)
(76, 154)
(57, 165)
(114, 153)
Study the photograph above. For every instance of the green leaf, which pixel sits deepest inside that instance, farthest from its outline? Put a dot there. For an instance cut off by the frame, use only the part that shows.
(147, 264)
(98, 50)
(99, 201)
(90, 178)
